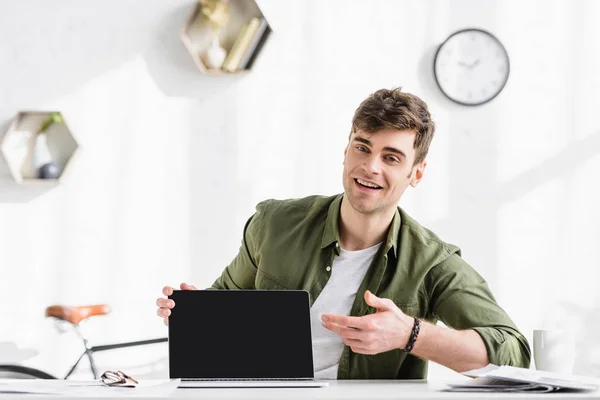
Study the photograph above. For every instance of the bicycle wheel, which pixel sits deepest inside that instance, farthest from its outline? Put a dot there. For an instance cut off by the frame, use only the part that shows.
(22, 372)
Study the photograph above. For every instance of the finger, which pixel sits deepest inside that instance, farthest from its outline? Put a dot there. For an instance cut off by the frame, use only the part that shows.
(185, 286)
(165, 303)
(376, 302)
(343, 320)
(344, 331)
(166, 321)
(332, 327)
(353, 343)
(168, 290)
(163, 312)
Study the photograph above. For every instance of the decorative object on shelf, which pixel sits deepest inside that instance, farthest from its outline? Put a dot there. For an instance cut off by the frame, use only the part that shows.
(232, 62)
(256, 42)
(471, 67)
(216, 16)
(216, 13)
(41, 158)
(225, 36)
(215, 54)
(38, 149)
(246, 44)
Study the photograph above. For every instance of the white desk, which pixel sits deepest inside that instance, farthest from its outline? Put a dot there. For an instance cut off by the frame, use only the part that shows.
(346, 390)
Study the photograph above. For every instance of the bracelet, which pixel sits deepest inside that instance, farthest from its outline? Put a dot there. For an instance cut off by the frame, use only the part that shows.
(413, 336)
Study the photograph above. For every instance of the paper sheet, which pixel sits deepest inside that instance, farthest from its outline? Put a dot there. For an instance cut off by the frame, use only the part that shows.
(147, 388)
(493, 378)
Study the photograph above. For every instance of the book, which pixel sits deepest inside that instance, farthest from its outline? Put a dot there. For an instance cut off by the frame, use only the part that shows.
(261, 43)
(263, 27)
(234, 49)
(493, 378)
(232, 61)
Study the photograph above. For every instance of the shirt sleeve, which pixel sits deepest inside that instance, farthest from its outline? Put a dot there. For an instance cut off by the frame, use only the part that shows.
(241, 273)
(461, 299)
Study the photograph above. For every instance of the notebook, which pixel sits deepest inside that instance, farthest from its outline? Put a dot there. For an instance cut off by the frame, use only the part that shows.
(241, 338)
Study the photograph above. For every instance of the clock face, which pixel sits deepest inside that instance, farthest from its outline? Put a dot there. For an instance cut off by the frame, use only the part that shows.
(471, 67)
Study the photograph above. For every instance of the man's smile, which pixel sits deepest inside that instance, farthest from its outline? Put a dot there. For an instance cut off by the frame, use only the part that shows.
(366, 186)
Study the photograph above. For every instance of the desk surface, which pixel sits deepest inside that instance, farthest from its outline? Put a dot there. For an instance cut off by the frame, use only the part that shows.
(347, 390)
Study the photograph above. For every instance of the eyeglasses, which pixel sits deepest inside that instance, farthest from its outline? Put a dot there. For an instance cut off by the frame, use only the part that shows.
(118, 378)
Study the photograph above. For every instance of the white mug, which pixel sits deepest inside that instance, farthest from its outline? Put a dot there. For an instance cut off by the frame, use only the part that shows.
(554, 350)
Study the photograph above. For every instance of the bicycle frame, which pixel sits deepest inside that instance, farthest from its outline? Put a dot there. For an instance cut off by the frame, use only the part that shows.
(90, 350)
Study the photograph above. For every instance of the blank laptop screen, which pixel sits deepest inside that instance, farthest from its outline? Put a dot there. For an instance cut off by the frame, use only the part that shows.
(240, 334)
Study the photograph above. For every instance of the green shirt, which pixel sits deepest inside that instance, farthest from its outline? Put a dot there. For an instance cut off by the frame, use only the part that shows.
(289, 244)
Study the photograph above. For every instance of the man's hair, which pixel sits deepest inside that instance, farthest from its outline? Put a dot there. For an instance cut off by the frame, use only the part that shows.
(396, 109)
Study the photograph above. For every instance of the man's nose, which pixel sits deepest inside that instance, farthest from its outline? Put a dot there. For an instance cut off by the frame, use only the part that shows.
(373, 165)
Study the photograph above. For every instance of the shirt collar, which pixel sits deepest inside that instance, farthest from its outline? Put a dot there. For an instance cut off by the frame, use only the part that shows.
(331, 233)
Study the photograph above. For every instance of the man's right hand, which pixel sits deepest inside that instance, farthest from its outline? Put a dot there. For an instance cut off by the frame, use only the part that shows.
(165, 305)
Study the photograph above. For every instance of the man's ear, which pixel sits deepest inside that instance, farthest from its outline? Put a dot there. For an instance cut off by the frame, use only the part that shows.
(418, 173)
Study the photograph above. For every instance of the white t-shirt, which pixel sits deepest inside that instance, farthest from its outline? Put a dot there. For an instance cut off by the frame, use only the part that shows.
(347, 273)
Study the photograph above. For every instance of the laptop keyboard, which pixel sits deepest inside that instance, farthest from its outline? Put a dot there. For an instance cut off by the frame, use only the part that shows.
(245, 379)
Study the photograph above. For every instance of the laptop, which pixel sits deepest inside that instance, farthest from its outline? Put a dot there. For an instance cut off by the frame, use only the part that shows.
(241, 338)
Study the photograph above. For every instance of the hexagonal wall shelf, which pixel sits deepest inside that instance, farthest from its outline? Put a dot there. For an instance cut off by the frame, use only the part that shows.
(242, 38)
(18, 143)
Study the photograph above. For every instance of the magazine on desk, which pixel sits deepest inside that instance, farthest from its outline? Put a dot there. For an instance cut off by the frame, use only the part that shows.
(493, 378)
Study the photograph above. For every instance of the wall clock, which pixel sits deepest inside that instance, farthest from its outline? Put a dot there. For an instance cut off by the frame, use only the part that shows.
(471, 67)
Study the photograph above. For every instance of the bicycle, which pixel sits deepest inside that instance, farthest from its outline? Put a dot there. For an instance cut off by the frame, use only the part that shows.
(74, 316)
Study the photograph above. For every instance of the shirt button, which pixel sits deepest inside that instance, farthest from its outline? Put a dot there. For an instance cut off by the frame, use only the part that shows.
(328, 268)
(337, 245)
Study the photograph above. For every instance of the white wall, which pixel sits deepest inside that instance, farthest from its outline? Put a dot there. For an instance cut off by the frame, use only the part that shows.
(173, 162)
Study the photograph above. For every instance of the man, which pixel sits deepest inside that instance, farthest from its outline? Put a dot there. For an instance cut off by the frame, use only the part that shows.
(378, 281)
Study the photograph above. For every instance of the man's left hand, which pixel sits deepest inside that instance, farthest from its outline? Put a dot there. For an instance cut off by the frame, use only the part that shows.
(388, 329)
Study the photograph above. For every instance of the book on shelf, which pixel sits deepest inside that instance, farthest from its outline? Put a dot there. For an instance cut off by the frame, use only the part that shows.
(261, 43)
(493, 378)
(255, 44)
(240, 46)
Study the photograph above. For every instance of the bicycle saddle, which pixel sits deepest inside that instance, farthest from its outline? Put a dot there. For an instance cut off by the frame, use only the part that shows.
(77, 314)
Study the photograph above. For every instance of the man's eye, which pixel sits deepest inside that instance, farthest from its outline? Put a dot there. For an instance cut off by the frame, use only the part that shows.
(361, 148)
(393, 159)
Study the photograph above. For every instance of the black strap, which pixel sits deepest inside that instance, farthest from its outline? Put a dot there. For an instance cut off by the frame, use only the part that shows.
(413, 336)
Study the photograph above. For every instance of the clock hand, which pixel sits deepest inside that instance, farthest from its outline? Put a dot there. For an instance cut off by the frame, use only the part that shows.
(475, 63)
(463, 64)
